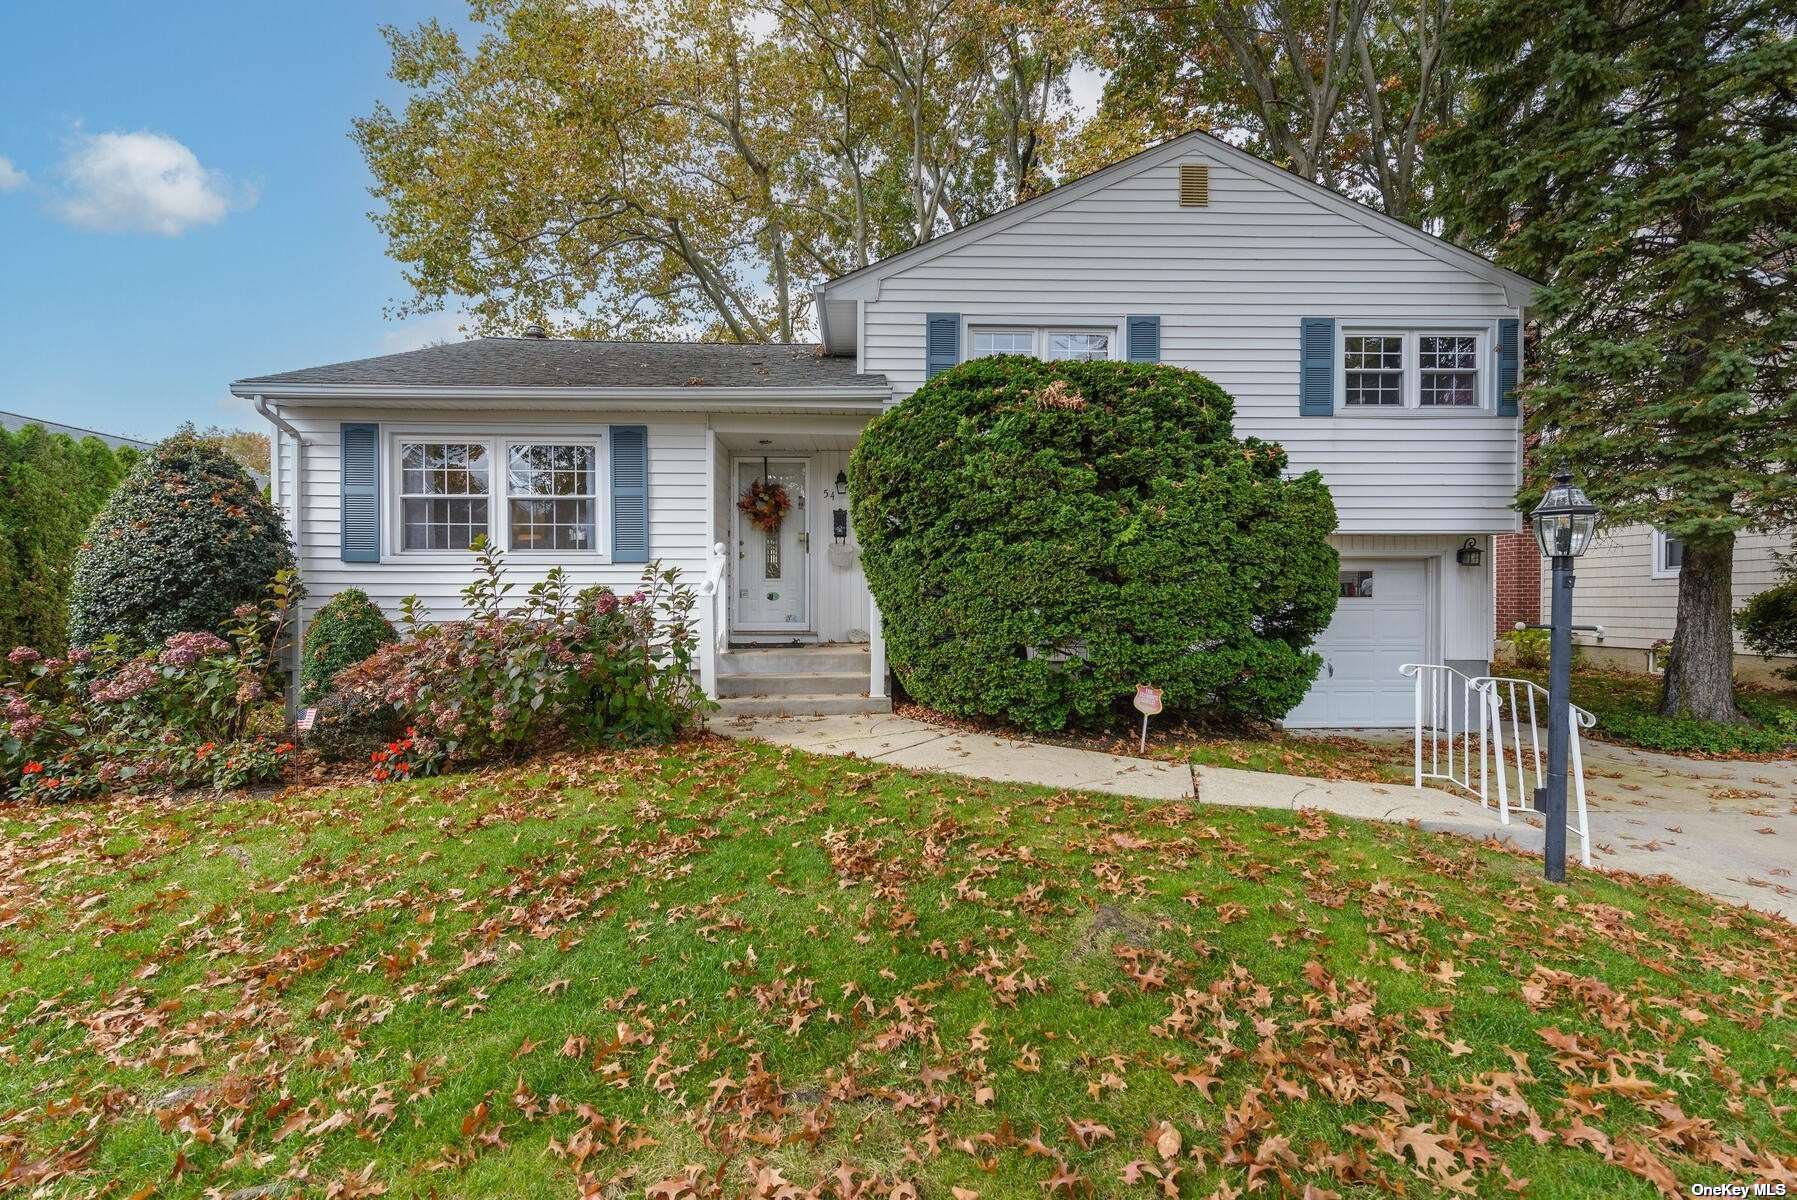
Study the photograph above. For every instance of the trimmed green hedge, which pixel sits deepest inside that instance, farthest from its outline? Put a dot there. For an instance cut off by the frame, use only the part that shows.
(346, 630)
(50, 488)
(1043, 537)
(186, 538)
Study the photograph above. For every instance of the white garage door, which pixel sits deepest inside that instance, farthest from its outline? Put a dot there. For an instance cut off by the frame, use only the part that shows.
(1381, 622)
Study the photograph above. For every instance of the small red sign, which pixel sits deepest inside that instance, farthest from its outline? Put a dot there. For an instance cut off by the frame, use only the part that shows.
(1148, 700)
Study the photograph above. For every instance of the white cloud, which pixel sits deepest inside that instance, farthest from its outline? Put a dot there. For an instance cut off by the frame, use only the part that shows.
(10, 176)
(143, 183)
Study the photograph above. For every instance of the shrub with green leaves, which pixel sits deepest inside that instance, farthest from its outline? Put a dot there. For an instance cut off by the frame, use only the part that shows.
(346, 630)
(50, 488)
(1042, 537)
(184, 540)
(1768, 623)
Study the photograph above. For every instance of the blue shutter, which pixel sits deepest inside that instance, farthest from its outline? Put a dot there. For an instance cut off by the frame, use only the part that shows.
(1144, 339)
(1316, 366)
(630, 493)
(359, 484)
(1509, 360)
(942, 343)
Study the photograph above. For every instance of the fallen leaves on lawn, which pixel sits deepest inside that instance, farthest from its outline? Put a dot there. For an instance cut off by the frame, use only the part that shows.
(724, 971)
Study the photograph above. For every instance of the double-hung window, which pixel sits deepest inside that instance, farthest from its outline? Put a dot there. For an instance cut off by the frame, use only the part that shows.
(1373, 370)
(444, 494)
(1391, 370)
(1064, 345)
(988, 342)
(1079, 346)
(552, 490)
(530, 495)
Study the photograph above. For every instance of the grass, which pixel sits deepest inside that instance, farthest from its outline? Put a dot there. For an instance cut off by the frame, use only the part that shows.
(1626, 705)
(725, 969)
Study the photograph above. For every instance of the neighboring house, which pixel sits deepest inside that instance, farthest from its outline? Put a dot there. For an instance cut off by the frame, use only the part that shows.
(1382, 357)
(15, 421)
(1627, 583)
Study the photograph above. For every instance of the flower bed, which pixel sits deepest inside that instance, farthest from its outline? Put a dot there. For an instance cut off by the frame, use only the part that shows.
(106, 718)
(590, 666)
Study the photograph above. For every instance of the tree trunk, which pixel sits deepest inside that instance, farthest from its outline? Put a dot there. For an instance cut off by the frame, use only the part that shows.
(1700, 670)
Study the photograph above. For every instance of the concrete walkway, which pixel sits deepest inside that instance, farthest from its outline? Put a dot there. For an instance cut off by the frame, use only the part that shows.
(1728, 829)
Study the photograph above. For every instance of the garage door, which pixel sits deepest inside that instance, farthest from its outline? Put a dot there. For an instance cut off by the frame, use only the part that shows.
(1381, 622)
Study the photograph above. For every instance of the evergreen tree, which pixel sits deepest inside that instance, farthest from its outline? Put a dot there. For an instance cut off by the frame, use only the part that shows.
(1641, 158)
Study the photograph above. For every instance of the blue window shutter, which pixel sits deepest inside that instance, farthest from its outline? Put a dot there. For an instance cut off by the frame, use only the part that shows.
(942, 343)
(1316, 366)
(1509, 359)
(360, 485)
(1144, 339)
(630, 493)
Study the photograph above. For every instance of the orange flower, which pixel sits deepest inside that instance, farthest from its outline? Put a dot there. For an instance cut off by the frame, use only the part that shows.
(33, 768)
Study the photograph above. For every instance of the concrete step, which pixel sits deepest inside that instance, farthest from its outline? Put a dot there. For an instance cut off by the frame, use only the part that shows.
(800, 706)
(743, 684)
(795, 660)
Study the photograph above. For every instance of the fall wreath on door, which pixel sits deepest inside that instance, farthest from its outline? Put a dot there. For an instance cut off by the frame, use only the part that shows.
(766, 504)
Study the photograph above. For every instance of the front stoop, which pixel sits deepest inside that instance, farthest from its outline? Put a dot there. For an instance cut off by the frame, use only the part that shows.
(796, 681)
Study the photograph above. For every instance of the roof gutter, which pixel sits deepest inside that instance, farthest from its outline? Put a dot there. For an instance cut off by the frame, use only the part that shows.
(747, 398)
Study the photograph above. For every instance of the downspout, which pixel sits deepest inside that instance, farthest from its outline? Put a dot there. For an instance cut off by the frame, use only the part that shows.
(273, 417)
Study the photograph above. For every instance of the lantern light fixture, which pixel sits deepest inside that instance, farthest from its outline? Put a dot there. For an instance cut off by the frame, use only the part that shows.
(1469, 555)
(1565, 520)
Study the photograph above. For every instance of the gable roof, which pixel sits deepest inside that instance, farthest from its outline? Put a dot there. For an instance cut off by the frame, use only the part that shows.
(863, 283)
(531, 365)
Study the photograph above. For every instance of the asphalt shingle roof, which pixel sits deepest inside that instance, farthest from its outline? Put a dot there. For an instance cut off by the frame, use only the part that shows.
(579, 363)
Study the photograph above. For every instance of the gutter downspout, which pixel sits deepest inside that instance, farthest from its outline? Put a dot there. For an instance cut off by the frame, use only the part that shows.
(270, 414)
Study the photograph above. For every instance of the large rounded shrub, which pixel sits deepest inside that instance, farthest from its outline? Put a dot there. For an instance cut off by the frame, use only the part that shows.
(186, 538)
(346, 630)
(1043, 537)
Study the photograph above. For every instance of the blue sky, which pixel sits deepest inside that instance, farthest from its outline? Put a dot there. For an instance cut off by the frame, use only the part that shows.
(180, 203)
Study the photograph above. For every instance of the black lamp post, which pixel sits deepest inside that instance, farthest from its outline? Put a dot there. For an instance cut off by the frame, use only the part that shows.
(1564, 523)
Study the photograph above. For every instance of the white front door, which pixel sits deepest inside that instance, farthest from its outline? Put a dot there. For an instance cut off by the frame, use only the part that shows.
(1381, 622)
(773, 570)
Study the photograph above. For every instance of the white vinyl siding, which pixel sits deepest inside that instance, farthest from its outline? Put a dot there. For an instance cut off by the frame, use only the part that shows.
(1230, 283)
(679, 520)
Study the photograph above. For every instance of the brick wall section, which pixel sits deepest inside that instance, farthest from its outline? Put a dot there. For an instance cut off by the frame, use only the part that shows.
(1517, 581)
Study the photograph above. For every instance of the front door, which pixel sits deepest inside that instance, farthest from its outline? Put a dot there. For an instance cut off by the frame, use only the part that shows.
(773, 570)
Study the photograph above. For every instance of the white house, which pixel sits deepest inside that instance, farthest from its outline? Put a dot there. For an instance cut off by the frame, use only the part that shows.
(1382, 357)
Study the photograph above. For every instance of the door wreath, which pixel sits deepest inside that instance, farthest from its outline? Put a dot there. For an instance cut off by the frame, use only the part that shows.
(766, 504)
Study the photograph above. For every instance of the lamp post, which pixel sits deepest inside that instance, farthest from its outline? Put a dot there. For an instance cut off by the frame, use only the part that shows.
(1564, 523)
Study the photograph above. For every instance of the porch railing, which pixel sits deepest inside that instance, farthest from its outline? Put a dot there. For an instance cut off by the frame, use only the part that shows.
(1493, 725)
(713, 627)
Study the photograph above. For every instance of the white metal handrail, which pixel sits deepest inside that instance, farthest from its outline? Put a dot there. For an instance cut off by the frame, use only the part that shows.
(1459, 716)
(713, 628)
(1447, 710)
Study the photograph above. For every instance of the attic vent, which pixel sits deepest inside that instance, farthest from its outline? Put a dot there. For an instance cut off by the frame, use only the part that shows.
(1194, 185)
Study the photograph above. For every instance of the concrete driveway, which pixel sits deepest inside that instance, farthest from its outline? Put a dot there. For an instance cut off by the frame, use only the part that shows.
(1725, 828)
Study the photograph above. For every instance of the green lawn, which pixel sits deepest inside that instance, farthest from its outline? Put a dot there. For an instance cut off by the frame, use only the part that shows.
(729, 970)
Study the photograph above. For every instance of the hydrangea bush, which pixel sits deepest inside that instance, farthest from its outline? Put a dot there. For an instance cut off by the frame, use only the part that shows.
(591, 665)
(104, 718)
